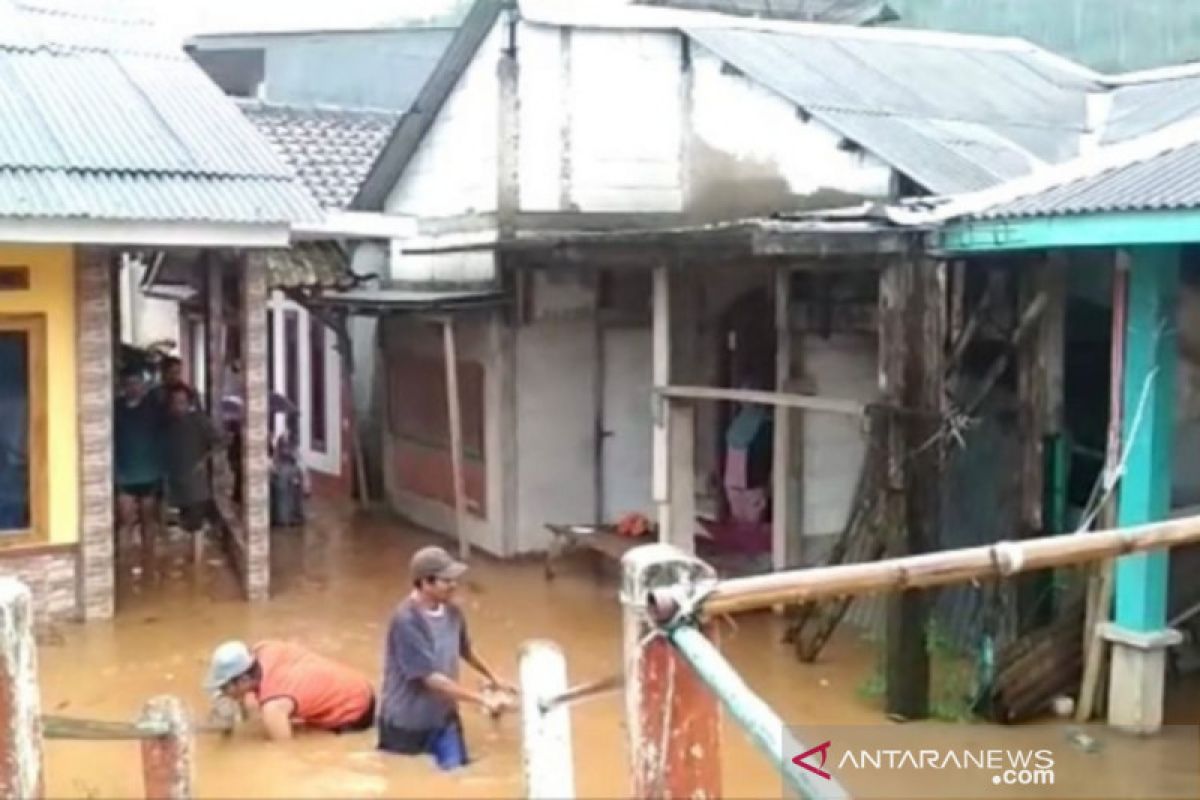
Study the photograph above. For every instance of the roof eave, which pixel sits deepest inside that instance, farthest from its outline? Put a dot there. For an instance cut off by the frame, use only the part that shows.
(79, 231)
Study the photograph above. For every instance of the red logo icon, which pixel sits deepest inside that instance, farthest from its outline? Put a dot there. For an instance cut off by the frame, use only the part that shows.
(823, 749)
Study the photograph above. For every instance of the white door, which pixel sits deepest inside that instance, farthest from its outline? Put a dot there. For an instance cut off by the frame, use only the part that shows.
(627, 423)
(307, 370)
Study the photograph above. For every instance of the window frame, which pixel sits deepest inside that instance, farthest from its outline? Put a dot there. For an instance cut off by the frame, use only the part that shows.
(34, 328)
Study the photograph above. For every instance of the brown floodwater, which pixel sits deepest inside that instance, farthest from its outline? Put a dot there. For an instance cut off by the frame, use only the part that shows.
(335, 584)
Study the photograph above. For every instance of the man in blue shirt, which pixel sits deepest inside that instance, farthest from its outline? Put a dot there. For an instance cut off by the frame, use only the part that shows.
(421, 689)
(137, 436)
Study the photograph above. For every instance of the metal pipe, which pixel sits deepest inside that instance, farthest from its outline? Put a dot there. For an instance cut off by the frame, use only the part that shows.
(764, 728)
(582, 692)
(70, 728)
(1000, 560)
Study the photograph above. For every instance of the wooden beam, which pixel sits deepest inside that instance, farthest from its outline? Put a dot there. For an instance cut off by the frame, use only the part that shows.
(682, 498)
(661, 372)
(852, 408)
(781, 499)
(913, 294)
(21, 765)
(946, 568)
(454, 411)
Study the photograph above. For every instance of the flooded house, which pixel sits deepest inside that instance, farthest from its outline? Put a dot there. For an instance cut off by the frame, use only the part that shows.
(116, 143)
(1094, 262)
(640, 202)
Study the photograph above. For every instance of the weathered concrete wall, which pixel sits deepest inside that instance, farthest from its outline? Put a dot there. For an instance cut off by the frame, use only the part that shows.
(599, 121)
(752, 152)
(555, 409)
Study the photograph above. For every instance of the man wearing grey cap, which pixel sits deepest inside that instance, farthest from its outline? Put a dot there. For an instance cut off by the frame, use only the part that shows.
(421, 691)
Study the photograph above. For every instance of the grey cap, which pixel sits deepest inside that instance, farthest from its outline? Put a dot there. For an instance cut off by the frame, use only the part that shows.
(230, 660)
(434, 562)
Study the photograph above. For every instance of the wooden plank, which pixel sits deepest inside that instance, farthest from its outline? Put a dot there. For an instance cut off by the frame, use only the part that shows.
(1100, 581)
(682, 500)
(827, 405)
(661, 372)
(454, 410)
(781, 515)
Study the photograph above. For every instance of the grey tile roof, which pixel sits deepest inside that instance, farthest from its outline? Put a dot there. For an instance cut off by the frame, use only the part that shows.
(1144, 107)
(953, 113)
(1168, 181)
(104, 120)
(331, 149)
(846, 12)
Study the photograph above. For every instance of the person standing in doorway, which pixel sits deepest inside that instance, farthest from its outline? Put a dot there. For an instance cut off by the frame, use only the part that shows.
(137, 457)
(421, 691)
(171, 377)
(190, 441)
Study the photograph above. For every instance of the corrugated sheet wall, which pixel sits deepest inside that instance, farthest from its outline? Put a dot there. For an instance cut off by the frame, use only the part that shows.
(1109, 35)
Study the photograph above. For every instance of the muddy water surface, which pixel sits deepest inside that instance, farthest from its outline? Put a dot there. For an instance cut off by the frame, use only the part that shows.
(335, 585)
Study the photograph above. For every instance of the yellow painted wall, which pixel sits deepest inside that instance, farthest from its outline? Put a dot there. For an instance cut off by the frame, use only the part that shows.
(52, 292)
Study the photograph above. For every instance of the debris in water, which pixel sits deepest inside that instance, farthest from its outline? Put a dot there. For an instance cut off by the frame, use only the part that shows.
(1081, 740)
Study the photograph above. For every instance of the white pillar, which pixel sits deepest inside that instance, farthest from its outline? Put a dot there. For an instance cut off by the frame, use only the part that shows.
(661, 300)
(546, 752)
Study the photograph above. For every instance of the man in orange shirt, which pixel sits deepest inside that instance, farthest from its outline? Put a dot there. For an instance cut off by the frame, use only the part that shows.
(284, 684)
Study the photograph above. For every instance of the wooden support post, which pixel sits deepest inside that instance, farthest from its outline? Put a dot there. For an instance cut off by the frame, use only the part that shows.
(785, 550)
(1033, 607)
(214, 325)
(661, 333)
(672, 719)
(545, 730)
(1140, 635)
(167, 761)
(21, 776)
(454, 412)
(1100, 581)
(681, 423)
(913, 319)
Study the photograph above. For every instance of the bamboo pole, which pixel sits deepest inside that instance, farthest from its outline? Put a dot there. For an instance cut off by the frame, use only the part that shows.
(454, 410)
(1000, 560)
(761, 725)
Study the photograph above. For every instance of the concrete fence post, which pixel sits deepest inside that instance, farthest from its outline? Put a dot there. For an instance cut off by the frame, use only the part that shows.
(673, 720)
(20, 701)
(167, 764)
(546, 752)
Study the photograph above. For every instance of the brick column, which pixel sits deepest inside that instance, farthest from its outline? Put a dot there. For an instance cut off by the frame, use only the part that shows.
(94, 359)
(255, 460)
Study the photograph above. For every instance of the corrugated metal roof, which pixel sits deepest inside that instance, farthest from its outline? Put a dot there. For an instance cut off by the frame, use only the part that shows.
(842, 12)
(1169, 181)
(103, 120)
(953, 115)
(1142, 108)
(331, 149)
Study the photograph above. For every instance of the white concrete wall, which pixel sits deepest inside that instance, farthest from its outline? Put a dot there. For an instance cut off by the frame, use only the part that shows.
(600, 120)
(454, 169)
(477, 339)
(145, 320)
(555, 418)
(843, 366)
(751, 147)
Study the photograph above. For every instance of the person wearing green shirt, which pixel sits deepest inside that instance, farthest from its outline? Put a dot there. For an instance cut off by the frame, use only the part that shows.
(138, 465)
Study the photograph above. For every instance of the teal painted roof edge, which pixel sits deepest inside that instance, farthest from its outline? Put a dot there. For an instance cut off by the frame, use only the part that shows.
(1090, 230)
